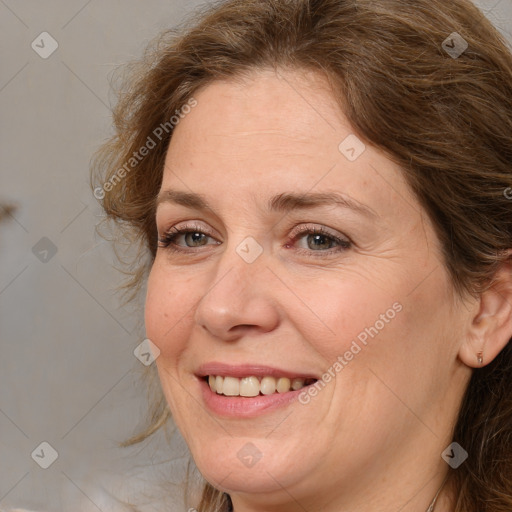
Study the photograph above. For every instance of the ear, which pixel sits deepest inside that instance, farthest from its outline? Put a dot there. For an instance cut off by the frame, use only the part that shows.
(491, 326)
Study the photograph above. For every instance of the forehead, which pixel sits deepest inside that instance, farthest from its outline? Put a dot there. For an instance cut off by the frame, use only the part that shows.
(297, 106)
(269, 131)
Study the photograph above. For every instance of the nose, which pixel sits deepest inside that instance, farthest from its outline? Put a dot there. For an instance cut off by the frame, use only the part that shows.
(240, 298)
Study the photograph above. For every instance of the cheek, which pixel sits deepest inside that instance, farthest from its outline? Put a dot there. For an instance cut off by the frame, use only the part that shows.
(348, 310)
(168, 310)
(396, 345)
(375, 339)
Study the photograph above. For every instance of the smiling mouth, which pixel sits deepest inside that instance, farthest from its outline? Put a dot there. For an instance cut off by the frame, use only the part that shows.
(254, 386)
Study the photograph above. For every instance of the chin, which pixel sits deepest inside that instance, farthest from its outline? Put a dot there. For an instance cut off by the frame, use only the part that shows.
(243, 465)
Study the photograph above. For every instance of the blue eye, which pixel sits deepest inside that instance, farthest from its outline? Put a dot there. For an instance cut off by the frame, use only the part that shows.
(320, 242)
(193, 235)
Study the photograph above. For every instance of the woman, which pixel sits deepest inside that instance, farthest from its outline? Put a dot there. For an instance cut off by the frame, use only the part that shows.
(320, 186)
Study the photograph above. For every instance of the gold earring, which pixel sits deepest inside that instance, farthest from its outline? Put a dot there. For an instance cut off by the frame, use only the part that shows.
(480, 358)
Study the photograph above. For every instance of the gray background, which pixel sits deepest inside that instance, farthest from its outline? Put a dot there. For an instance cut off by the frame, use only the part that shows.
(68, 375)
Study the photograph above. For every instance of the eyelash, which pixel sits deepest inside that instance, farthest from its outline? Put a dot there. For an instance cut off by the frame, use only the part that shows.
(167, 241)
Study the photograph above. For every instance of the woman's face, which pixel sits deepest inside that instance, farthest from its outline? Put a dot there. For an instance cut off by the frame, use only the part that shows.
(307, 258)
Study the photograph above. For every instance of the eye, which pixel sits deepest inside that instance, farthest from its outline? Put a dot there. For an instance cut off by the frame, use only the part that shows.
(309, 240)
(317, 239)
(192, 235)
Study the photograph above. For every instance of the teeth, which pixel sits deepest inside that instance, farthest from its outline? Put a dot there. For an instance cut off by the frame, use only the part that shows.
(268, 385)
(249, 386)
(218, 384)
(283, 385)
(252, 386)
(297, 384)
(231, 386)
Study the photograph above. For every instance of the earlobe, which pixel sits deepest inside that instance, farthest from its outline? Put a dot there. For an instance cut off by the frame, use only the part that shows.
(491, 327)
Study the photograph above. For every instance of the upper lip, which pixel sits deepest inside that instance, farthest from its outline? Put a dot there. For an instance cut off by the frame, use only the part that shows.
(249, 370)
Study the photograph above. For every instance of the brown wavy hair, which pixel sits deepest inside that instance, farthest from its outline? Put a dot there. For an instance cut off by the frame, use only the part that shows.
(446, 120)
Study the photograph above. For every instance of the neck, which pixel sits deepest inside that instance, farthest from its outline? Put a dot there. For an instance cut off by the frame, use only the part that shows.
(437, 498)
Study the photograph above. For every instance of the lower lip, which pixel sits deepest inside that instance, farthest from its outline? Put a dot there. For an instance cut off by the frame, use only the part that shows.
(247, 407)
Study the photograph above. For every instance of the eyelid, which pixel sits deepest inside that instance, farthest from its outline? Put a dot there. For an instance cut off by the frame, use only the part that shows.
(189, 226)
(297, 229)
(307, 227)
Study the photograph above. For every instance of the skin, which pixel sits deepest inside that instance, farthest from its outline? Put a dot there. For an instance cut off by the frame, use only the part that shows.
(372, 437)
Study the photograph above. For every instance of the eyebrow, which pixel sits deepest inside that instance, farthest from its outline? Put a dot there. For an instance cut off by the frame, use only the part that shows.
(284, 202)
